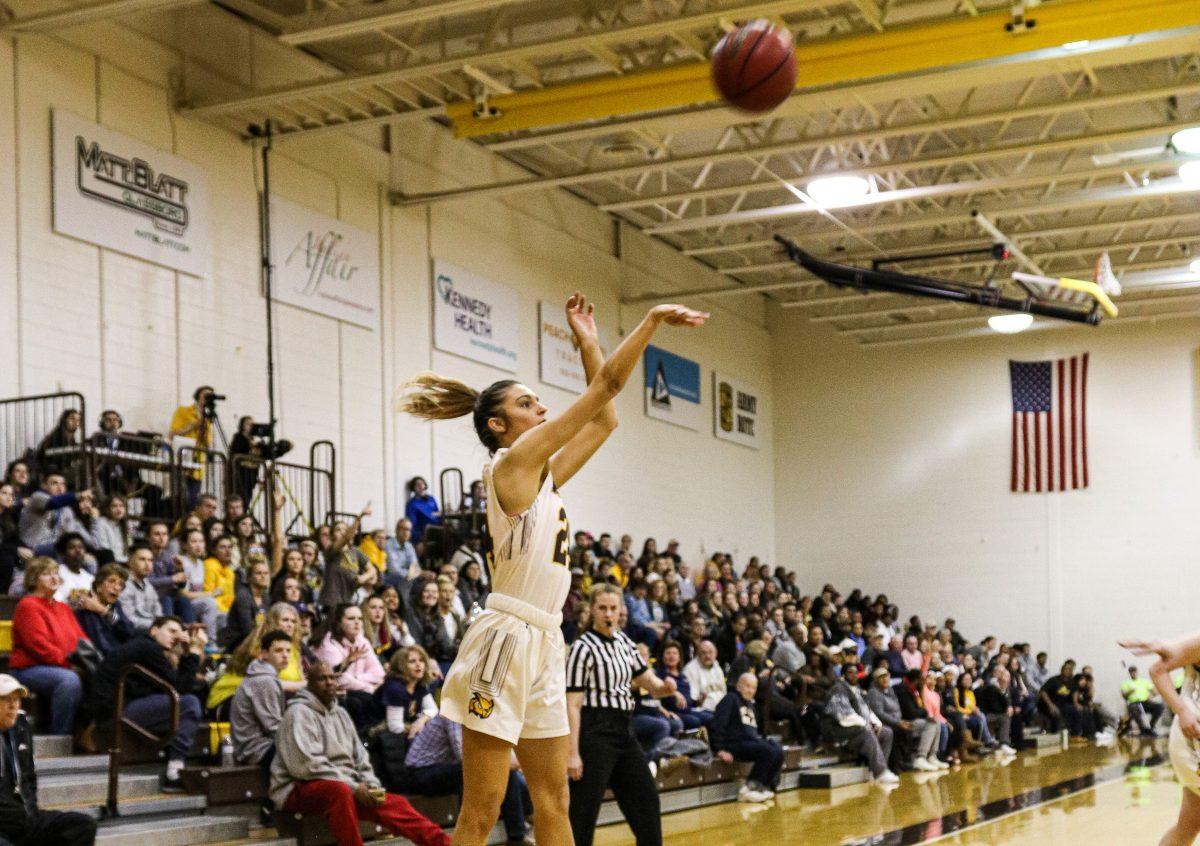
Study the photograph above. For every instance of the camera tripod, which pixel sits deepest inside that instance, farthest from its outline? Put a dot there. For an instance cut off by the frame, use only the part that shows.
(267, 489)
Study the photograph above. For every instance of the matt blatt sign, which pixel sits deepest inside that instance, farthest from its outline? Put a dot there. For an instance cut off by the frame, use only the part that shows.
(738, 411)
(116, 192)
(474, 317)
(323, 265)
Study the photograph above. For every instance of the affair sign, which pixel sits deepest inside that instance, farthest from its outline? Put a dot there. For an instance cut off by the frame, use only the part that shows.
(474, 317)
(323, 265)
(116, 192)
(562, 365)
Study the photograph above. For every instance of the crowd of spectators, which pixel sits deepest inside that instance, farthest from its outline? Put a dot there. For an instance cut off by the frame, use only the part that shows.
(352, 628)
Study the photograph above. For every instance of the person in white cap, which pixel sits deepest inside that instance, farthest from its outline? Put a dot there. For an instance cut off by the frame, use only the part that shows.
(22, 822)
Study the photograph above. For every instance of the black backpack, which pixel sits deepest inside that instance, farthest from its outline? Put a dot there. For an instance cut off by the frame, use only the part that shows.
(388, 750)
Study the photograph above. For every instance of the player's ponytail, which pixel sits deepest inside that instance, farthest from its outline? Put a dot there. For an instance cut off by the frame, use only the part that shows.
(433, 397)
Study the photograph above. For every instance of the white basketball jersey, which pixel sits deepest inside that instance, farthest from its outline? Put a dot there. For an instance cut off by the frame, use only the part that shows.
(529, 551)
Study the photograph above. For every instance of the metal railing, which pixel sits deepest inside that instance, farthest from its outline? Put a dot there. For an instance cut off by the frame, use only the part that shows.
(26, 421)
(140, 468)
(308, 492)
(121, 722)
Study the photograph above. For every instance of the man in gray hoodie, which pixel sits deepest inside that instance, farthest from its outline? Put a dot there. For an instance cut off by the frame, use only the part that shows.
(321, 768)
(257, 707)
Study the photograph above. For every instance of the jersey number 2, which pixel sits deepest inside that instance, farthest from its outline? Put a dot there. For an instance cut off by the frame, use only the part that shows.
(563, 541)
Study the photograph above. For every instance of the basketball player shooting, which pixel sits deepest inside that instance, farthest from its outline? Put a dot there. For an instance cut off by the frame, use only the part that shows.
(507, 687)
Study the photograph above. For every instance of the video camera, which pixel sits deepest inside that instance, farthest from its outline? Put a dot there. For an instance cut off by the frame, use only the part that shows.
(210, 404)
(266, 431)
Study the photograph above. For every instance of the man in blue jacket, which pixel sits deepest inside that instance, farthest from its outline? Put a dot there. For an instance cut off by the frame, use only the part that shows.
(734, 735)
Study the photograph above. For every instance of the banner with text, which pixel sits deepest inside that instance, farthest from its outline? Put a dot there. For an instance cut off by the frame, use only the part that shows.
(474, 317)
(561, 364)
(672, 388)
(323, 265)
(116, 192)
(736, 411)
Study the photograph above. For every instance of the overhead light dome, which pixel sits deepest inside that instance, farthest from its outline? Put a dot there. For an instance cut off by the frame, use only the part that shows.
(838, 190)
(1010, 324)
(1187, 141)
(1189, 172)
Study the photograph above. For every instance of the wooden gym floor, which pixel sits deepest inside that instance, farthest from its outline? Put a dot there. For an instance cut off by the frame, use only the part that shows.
(1119, 795)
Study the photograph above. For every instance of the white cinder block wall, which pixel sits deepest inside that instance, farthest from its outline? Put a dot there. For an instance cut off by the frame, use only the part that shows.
(892, 474)
(139, 338)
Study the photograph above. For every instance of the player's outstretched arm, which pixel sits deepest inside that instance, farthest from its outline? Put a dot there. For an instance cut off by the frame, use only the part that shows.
(1171, 656)
(533, 450)
(568, 460)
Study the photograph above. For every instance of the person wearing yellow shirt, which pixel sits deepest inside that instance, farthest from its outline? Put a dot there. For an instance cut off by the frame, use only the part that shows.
(189, 421)
(621, 568)
(373, 546)
(279, 617)
(220, 578)
(1143, 711)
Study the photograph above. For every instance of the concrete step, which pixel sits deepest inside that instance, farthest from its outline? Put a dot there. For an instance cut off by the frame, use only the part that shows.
(158, 805)
(52, 745)
(66, 788)
(830, 777)
(73, 764)
(184, 831)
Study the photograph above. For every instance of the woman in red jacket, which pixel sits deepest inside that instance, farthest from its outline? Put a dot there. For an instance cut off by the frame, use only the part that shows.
(45, 632)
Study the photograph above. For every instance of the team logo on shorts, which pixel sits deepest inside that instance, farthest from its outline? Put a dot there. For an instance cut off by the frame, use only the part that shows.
(480, 706)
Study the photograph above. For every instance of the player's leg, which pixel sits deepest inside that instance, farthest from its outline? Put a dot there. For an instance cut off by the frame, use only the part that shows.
(1187, 827)
(485, 778)
(544, 763)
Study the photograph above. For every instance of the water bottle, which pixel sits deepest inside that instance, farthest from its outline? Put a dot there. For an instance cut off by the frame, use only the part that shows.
(226, 751)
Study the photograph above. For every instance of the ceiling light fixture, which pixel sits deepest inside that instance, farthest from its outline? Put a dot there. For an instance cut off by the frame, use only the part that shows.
(838, 190)
(1010, 324)
(1189, 172)
(1187, 141)
(1072, 46)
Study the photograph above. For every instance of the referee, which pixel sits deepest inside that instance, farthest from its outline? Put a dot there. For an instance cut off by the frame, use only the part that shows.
(602, 667)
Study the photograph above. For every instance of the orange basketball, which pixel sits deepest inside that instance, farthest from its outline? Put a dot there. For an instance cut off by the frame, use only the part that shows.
(754, 67)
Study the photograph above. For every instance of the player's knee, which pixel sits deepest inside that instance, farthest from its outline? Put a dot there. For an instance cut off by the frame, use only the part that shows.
(555, 798)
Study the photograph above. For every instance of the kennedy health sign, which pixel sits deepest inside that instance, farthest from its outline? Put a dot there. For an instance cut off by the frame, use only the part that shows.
(474, 317)
(323, 265)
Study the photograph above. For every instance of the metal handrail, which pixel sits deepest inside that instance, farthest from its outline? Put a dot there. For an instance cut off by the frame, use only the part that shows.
(21, 447)
(120, 722)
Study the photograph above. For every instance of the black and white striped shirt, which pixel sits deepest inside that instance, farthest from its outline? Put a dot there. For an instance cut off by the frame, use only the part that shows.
(603, 669)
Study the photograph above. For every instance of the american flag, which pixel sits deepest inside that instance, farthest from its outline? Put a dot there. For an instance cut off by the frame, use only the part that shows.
(1049, 424)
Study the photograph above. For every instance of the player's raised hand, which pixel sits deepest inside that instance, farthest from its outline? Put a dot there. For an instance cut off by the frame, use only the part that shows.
(1144, 647)
(581, 318)
(679, 315)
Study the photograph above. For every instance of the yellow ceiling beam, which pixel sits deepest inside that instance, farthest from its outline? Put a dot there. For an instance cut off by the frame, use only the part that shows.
(837, 61)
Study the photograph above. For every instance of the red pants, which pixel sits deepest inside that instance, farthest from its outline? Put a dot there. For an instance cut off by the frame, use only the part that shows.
(334, 800)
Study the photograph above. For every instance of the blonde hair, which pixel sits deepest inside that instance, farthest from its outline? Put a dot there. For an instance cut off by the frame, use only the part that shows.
(433, 397)
(397, 667)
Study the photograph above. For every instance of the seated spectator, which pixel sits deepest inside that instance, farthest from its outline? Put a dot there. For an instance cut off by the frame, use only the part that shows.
(48, 513)
(1036, 673)
(734, 735)
(343, 647)
(652, 723)
(12, 552)
(249, 605)
(373, 546)
(166, 575)
(407, 702)
(140, 600)
(421, 510)
(246, 541)
(705, 678)
(173, 654)
(427, 627)
(434, 763)
(680, 703)
(280, 617)
(1004, 720)
(642, 627)
(452, 619)
(68, 432)
(45, 633)
(847, 719)
(950, 741)
(220, 577)
(346, 568)
(257, 708)
(111, 531)
(100, 614)
(728, 639)
(377, 629)
(22, 822)
(294, 567)
(911, 655)
(1058, 701)
(1143, 711)
(190, 561)
(74, 577)
(964, 703)
(470, 550)
(400, 633)
(472, 589)
(322, 768)
(402, 564)
(926, 730)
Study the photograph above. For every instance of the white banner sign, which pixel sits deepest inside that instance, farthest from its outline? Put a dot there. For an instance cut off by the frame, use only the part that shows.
(323, 265)
(119, 193)
(474, 317)
(561, 363)
(737, 411)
